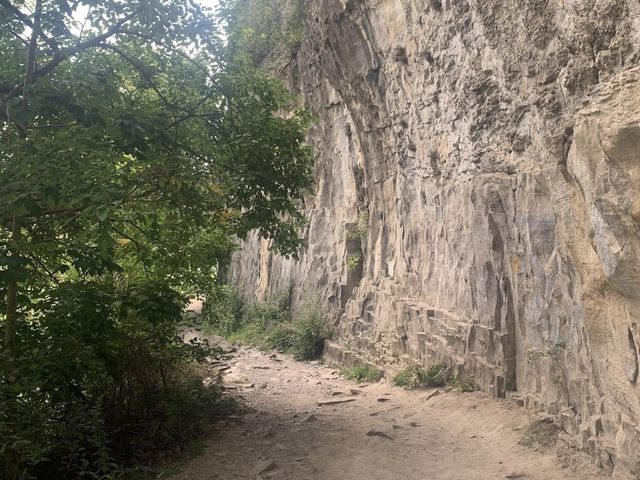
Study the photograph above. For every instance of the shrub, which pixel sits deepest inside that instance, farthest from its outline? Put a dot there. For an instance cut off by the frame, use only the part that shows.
(361, 227)
(106, 382)
(267, 325)
(353, 263)
(311, 330)
(361, 373)
(273, 311)
(416, 376)
(464, 385)
(281, 338)
(223, 310)
(250, 334)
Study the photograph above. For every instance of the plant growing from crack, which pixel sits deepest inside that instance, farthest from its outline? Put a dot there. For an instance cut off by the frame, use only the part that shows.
(353, 263)
(360, 229)
(436, 375)
(553, 352)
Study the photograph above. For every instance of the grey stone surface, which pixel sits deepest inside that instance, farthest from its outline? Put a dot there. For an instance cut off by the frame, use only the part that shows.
(486, 154)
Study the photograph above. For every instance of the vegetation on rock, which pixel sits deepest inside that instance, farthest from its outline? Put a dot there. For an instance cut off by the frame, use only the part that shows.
(265, 33)
(436, 375)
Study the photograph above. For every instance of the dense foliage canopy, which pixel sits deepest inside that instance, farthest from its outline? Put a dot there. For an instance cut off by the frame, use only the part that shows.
(134, 150)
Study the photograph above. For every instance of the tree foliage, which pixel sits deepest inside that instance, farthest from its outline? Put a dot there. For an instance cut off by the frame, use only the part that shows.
(137, 142)
(264, 33)
(135, 147)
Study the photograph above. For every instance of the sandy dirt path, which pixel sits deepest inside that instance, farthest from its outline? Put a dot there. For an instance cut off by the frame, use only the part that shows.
(381, 433)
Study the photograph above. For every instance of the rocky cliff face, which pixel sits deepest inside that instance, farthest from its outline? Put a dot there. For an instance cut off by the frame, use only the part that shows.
(478, 200)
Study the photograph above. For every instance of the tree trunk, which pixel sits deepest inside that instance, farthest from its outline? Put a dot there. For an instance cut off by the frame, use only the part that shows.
(11, 318)
(12, 465)
(13, 455)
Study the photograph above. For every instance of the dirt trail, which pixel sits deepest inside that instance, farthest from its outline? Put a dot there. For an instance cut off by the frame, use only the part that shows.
(381, 433)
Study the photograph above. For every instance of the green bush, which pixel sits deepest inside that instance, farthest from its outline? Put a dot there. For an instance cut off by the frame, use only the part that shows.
(417, 376)
(222, 311)
(224, 314)
(311, 330)
(249, 334)
(362, 373)
(267, 325)
(281, 338)
(105, 383)
(273, 311)
(464, 385)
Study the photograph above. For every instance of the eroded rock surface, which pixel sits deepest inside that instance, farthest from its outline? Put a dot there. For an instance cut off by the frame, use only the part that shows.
(478, 200)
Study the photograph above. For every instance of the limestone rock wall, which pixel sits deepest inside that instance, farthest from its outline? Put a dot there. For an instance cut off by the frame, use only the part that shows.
(478, 200)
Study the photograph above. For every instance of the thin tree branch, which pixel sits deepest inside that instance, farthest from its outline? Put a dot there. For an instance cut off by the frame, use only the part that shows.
(140, 68)
(35, 263)
(61, 55)
(81, 47)
(27, 21)
(33, 45)
(138, 248)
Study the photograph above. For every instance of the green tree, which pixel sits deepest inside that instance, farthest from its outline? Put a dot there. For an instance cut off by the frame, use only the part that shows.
(133, 148)
(128, 140)
(264, 33)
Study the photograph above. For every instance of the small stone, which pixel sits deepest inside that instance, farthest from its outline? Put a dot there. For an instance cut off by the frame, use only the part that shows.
(237, 386)
(382, 399)
(263, 466)
(310, 419)
(374, 433)
(340, 393)
(333, 401)
(516, 475)
(435, 393)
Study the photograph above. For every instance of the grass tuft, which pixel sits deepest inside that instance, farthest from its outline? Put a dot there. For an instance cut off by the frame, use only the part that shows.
(436, 375)
(540, 433)
(417, 376)
(361, 373)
